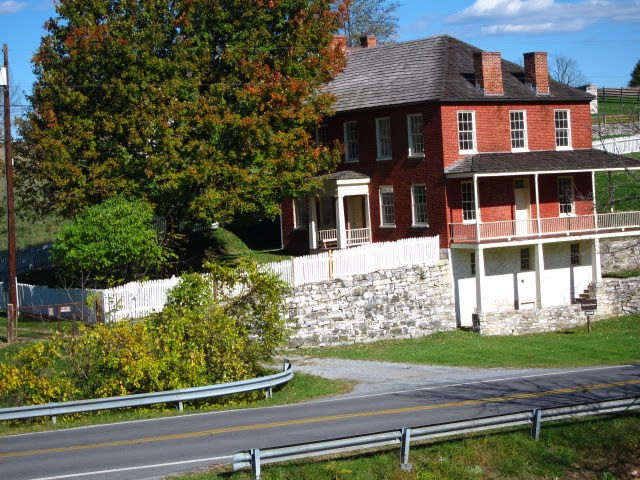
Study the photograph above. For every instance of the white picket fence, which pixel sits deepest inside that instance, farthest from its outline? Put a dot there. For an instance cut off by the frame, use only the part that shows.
(137, 299)
(619, 145)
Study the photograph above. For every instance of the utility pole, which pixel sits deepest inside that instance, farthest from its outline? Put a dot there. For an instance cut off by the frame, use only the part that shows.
(11, 225)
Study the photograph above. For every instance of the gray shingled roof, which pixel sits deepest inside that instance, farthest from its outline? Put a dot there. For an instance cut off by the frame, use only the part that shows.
(542, 161)
(345, 175)
(438, 68)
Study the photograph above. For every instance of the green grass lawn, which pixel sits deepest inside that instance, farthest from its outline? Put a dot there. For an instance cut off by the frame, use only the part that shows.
(613, 106)
(611, 342)
(625, 191)
(596, 449)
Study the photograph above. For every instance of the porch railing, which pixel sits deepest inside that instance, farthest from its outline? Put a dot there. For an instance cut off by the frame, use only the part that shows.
(355, 236)
(532, 228)
(358, 236)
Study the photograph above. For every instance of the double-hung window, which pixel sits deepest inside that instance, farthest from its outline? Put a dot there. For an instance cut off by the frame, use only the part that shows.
(322, 135)
(387, 207)
(518, 124)
(575, 254)
(419, 202)
(416, 135)
(563, 129)
(300, 213)
(525, 259)
(383, 138)
(468, 202)
(351, 141)
(467, 131)
(565, 195)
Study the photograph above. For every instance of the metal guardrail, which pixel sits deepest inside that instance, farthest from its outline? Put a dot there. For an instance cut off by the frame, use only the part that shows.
(255, 458)
(174, 396)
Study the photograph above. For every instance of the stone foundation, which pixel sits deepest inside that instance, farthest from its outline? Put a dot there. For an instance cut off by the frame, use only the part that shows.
(521, 322)
(400, 303)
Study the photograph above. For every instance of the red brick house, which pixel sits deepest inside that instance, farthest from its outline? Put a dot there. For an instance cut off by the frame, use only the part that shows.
(442, 138)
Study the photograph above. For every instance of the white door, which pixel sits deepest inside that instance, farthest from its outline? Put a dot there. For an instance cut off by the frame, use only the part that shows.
(522, 196)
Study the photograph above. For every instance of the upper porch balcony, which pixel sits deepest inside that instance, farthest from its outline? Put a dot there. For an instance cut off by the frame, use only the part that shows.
(572, 225)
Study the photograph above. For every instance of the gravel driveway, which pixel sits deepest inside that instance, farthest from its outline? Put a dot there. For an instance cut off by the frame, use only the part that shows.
(380, 377)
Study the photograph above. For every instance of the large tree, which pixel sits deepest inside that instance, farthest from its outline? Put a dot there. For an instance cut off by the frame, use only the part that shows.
(203, 108)
(369, 17)
(566, 70)
(635, 76)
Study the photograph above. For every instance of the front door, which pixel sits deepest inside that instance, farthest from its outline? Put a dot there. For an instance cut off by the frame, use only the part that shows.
(355, 213)
(522, 196)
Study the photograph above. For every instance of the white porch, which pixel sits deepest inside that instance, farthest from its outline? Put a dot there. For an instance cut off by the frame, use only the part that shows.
(339, 216)
(499, 279)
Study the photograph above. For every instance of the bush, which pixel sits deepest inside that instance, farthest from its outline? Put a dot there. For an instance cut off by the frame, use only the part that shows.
(219, 327)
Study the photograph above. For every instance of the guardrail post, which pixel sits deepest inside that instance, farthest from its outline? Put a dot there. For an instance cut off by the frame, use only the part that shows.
(180, 407)
(54, 419)
(255, 463)
(536, 423)
(404, 450)
(268, 393)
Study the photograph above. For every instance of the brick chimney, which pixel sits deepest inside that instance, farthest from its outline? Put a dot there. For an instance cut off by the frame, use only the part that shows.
(340, 42)
(488, 71)
(536, 71)
(368, 41)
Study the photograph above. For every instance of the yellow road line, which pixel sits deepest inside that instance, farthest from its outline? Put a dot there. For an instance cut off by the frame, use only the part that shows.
(328, 418)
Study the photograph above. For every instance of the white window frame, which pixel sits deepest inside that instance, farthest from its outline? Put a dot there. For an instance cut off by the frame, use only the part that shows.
(472, 131)
(300, 213)
(351, 151)
(421, 205)
(387, 208)
(561, 194)
(415, 135)
(383, 138)
(525, 136)
(468, 205)
(566, 129)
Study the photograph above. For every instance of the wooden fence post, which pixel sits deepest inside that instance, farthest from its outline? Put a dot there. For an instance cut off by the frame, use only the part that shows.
(10, 322)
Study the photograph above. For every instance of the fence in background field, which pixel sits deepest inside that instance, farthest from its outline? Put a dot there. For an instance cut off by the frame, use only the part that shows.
(631, 94)
(619, 145)
(137, 299)
(27, 259)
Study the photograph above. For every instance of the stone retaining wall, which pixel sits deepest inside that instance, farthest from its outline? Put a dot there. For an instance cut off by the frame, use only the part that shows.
(618, 255)
(406, 302)
(618, 296)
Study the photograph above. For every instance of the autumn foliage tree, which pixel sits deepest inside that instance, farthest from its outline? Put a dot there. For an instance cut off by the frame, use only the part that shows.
(203, 108)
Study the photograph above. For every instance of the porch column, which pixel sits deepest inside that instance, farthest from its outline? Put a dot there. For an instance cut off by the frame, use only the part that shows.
(367, 215)
(313, 224)
(539, 272)
(480, 278)
(477, 205)
(593, 194)
(538, 205)
(340, 224)
(596, 266)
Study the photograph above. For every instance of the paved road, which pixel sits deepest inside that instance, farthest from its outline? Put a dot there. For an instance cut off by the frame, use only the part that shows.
(153, 448)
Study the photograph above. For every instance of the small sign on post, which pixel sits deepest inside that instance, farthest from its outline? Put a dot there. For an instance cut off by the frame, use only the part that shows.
(589, 306)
